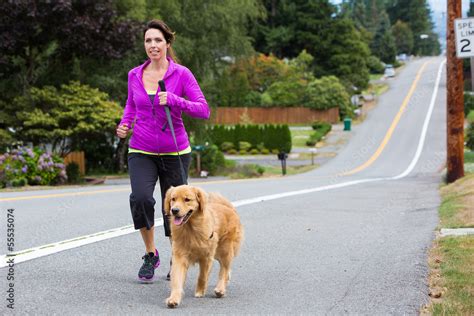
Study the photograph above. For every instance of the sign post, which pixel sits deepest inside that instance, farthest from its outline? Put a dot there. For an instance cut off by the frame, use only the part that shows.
(460, 44)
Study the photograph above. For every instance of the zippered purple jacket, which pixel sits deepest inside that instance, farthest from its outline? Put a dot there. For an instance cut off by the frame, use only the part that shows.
(151, 131)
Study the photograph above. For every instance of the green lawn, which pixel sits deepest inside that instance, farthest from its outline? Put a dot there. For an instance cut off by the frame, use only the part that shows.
(451, 259)
(299, 137)
(470, 116)
(455, 266)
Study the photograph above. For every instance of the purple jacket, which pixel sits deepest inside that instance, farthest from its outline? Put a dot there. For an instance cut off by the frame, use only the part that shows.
(153, 133)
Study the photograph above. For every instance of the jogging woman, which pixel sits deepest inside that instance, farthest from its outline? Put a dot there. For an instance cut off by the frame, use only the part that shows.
(153, 154)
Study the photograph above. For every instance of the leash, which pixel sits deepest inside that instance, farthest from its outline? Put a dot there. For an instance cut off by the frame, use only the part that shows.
(161, 83)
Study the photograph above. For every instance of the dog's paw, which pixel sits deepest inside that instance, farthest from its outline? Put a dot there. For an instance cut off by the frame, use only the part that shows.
(171, 302)
(199, 294)
(219, 293)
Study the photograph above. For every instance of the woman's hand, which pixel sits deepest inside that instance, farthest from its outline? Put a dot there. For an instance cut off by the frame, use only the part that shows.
(122, 131)
(163, 96)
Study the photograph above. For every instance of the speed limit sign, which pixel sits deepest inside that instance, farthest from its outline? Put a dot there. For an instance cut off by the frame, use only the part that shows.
(464, 29)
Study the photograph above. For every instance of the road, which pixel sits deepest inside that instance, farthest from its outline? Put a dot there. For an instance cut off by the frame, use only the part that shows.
(350, 237)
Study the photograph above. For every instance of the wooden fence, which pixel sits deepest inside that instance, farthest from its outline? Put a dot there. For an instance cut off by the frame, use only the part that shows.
(77, 157)
(274, 115)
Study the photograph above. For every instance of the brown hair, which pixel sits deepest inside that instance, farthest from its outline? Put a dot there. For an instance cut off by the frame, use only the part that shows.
(167, 33)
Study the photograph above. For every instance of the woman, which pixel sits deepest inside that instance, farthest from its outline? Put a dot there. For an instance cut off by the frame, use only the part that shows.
(153, 153)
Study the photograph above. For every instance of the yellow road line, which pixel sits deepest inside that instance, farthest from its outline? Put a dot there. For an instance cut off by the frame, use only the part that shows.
(46, 196)
(394, 124)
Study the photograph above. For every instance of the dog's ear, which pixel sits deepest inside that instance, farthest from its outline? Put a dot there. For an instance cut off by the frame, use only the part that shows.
(201, 197)
(167, 202)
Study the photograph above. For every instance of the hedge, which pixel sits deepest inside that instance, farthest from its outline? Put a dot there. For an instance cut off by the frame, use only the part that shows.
(272, 137)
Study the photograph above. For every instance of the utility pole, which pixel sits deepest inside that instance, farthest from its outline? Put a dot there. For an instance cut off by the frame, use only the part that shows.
(455, 103)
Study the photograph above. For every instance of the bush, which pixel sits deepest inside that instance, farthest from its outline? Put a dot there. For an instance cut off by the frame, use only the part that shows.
(265, 151)
(286, 93)
(73, 173)
(327, 92)
(24, 166)
(470, 137)
(320, 130)
(375, 65)
(247, 171)
(322, 127)
(254, 151)
(232, 152)
(243, 152)
(468, 103)
(252, 136)
(253, 98)
(226, 146)
(211, 159)
(245, 146)
(275, 151)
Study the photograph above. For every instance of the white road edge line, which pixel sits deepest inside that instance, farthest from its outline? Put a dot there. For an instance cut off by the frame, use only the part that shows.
(37, 252)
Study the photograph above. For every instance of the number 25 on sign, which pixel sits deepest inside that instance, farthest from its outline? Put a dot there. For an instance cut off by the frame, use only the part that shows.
(464, 29)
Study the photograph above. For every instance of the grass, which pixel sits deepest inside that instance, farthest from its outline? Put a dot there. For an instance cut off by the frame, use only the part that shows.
(376, 88)
(469, 157)
(470, 116)
(457, 206)
(375, 76)
(299, 137)
(452, 276)
(451, 259)
(290, 170)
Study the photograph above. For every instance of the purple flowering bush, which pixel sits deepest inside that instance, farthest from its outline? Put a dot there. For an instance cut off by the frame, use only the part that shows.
(23, 166)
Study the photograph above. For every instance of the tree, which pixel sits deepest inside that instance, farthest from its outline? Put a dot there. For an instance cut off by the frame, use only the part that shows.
(31, 39)
(417, 15)
(383, 44)
(68, 118)
(403, 37)
(337, 46)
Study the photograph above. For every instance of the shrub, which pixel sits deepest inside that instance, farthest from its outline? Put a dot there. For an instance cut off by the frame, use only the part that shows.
(325, 93)
(265, 151)
(275, 151)
(24, 166)
(232, 152)
(468, 103)
(254, 151)
(287, 93)
(243, 152)
(226, 146)
(470, 137)
(245, 146)
(73, 173)
(211, 159)
(247, 171)
(256, 136)
(375, 65)
(253, 98)
(322, 127)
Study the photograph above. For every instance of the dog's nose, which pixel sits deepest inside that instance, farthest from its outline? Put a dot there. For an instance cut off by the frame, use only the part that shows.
(175, 210)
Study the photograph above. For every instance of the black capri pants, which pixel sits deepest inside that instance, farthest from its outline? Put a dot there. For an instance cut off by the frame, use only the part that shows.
(144, 171)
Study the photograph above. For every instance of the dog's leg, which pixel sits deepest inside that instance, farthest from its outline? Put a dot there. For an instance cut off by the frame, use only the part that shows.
(224, 274)
(178, 276)
(205, 266)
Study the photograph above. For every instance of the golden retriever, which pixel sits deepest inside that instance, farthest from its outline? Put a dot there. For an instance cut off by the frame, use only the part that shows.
(203, 227)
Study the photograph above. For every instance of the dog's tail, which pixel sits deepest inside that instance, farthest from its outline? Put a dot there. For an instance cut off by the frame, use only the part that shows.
(238, 242)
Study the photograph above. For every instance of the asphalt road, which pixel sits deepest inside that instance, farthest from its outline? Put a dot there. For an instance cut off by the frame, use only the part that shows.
(350, 244)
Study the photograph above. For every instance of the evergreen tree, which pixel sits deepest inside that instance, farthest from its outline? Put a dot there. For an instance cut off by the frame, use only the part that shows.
(337, 46)
(403, 37)
(417, 14)
(383, 44)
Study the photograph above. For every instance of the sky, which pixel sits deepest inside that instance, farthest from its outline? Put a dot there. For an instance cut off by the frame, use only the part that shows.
(439, 14)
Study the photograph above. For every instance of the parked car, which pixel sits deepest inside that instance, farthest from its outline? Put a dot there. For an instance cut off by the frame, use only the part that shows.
(389, 71)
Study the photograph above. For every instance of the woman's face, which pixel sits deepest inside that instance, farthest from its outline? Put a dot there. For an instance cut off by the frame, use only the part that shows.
(155, 44)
